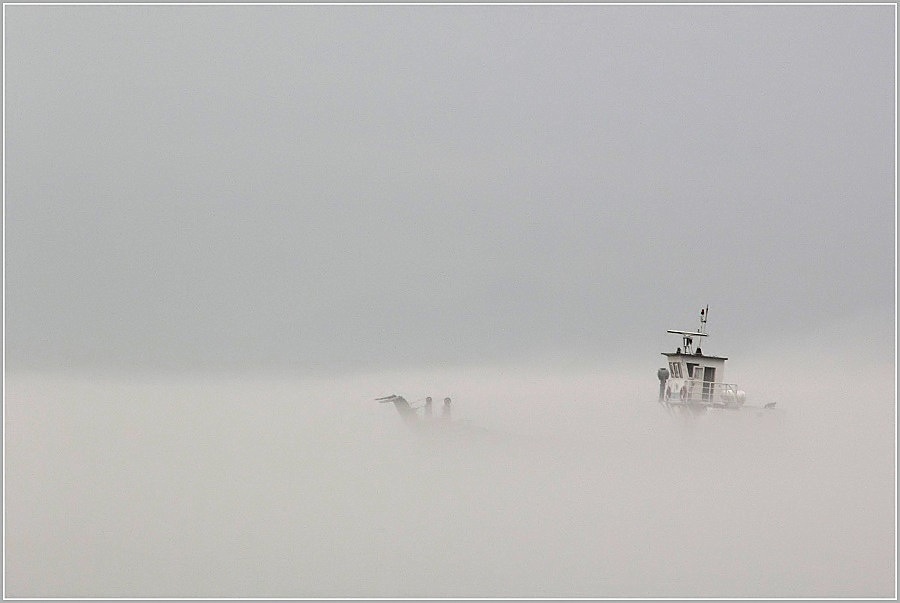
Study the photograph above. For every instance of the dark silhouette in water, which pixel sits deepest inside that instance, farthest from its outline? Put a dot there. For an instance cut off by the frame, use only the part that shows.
(402, 406)
(445, 427)
(445, 413)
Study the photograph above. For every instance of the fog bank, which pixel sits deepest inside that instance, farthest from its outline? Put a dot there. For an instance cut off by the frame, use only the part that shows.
(566, 485)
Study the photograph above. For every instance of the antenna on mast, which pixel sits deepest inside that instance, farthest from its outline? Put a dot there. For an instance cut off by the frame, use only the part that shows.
(687, 337)
(704, 314)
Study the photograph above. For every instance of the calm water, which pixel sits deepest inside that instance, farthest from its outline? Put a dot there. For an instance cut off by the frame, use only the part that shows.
(575, 486)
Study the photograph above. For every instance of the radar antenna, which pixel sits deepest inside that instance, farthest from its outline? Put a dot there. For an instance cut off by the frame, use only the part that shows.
(687, 337)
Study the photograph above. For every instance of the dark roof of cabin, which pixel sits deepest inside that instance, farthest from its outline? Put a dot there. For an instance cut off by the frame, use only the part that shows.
(670, 354)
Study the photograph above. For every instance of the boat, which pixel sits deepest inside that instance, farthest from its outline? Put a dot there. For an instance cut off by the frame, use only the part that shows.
(421, 420)
(693, 382)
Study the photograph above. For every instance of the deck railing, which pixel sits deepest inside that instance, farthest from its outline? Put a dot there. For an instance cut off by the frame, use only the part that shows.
(710, 392)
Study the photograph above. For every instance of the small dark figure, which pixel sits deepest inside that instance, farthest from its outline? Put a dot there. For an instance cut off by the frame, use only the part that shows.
(699, 352)
(445, 412)
(428, 408)
(678, 351)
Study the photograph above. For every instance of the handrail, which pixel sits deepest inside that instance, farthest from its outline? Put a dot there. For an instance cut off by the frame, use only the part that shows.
(710, 392)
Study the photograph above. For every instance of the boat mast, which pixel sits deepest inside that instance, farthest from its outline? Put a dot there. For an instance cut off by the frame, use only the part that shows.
(687, 337)
(704, 314)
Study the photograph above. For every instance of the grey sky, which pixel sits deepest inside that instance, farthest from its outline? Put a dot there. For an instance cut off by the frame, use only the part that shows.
(309, 188)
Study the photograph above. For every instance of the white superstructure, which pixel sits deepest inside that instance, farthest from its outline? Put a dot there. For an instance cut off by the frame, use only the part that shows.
(694, 378)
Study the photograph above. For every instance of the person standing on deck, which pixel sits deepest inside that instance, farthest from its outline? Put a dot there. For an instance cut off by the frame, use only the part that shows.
(428, 408)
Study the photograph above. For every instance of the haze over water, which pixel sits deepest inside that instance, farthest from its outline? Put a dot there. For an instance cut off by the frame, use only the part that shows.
(570, 484)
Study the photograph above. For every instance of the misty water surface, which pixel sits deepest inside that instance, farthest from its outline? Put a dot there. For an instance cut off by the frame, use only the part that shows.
(578, 485)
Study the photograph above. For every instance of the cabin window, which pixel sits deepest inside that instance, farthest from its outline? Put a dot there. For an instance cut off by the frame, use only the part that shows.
(675, 369)
(690, 368)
